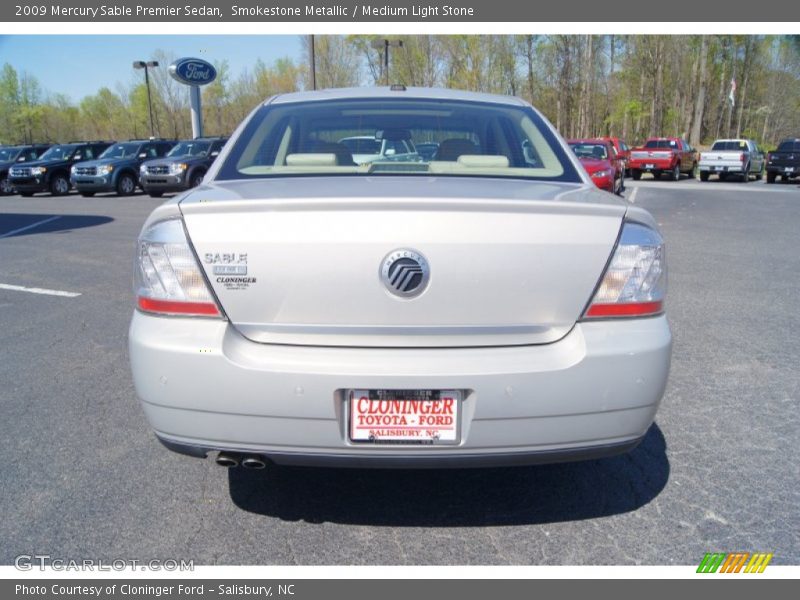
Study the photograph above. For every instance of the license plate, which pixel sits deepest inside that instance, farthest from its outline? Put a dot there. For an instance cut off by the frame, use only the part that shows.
(788, 169)
(404, 416)
(649, 166)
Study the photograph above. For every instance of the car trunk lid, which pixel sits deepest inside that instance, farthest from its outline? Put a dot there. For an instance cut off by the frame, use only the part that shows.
(298, 261)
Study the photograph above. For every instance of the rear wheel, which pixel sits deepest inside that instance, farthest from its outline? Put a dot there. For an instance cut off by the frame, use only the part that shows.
(676, 173)
(770, 177)
(746, 174)
(636, 174)
(59, 186)
(125, 185)
(704, 175)
(693, 171)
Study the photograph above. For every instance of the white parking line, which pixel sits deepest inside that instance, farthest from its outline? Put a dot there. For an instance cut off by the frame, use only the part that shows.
(31, 226)
(632, 198)
(19, 288)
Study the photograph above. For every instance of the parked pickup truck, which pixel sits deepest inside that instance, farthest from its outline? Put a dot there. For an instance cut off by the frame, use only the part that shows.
(785, 161)
(663, 155)
(741, 158)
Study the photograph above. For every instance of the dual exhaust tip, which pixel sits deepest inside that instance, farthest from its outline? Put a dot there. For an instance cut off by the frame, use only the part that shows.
(248, 461)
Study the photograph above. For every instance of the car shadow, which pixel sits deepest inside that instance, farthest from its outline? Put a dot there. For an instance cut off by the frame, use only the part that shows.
(457, 497)
(18, 224)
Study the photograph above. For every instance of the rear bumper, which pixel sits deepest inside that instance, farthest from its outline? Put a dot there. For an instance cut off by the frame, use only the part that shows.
(721, 168)
(594, 393)
(654, 164)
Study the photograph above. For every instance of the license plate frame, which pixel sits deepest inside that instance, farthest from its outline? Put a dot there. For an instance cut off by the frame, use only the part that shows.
(788, 169)
(649, 166)
(400, 423)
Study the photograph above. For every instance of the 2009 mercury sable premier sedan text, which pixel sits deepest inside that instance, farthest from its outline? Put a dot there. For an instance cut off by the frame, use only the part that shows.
(486, 305)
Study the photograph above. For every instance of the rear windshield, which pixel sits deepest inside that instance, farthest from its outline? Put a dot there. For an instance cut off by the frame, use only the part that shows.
(730, 145)
(588, 150)
(661, 144)
(789, 146)
(367, 137)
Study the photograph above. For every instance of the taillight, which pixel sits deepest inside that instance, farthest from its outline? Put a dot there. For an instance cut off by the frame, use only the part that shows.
(741, 157)
(635, 281)
(167, 278)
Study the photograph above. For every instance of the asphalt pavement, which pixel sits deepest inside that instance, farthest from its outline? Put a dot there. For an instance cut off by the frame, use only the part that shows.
(83, 477)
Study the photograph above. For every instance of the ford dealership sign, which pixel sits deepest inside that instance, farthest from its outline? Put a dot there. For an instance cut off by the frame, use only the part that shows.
(193, 71)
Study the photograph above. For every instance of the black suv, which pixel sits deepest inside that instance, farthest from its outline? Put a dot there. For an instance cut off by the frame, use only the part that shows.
(50, 173)
(181, 169)
(117, 169)
(14, 155)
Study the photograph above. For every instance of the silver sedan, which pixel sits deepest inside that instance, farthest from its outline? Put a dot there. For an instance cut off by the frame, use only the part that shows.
(484, 306)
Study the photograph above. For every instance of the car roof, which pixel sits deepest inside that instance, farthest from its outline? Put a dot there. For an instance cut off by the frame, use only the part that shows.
(417, 93)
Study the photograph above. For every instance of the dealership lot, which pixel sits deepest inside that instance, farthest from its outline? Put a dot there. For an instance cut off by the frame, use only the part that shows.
(83, 477)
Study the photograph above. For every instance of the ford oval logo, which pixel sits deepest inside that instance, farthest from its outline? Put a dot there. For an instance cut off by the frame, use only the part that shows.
(193, 71)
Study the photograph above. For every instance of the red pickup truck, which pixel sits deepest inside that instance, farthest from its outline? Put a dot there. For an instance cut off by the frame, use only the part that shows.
(663, 155)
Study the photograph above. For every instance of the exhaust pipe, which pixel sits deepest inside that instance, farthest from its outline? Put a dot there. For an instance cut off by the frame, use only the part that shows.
(253, 462)
(228, 460)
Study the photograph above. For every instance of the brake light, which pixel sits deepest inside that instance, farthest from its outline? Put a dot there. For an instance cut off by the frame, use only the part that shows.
(167, 278)
(635, 281)
(741, 156)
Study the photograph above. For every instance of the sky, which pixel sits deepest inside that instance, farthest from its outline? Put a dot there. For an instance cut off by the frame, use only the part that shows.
(79, 65)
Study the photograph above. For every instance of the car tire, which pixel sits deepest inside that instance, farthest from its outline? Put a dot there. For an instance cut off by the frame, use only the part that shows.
(126, 185)
(636, 174)
(59, 185)
(6, 189)
(196, 178)
(675, 175)
(746, 174)
(693, 172)
(155, 194)
(704, 175)
(87, 194)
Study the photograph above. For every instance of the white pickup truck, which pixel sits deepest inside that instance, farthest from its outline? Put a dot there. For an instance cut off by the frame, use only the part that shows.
(741, 158)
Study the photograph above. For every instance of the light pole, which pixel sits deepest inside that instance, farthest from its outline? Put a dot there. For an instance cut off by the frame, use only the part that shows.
(386, 44)
(313, 62)
(141, 64)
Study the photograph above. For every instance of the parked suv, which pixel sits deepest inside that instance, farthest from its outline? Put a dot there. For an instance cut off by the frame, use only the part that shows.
(182, 168)
(50, 173)
(13, 155)
(117, 169)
